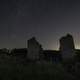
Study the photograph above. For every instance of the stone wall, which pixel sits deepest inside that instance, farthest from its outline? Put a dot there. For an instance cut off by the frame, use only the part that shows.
(34, 49)
(67, 46)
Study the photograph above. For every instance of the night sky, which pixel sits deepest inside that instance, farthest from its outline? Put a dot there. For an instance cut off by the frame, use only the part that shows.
(47, 20)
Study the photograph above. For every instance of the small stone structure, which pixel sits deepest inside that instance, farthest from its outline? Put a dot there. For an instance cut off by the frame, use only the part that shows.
(67, 46)
(34, 49)
(52, 56)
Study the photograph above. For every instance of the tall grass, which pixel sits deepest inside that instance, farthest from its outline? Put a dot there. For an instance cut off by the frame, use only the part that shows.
(10, 69)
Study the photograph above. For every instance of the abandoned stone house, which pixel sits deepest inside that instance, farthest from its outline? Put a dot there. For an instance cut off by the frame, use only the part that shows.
(67, 47)
(34, 50)
(67, 50)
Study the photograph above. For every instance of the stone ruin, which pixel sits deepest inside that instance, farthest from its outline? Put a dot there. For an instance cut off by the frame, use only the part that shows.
(34, 49)
(67, 46)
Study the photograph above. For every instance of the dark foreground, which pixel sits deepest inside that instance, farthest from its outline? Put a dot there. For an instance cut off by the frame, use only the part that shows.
(10, 69)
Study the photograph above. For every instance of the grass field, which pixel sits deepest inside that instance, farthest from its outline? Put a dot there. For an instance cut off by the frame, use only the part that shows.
(10, 69)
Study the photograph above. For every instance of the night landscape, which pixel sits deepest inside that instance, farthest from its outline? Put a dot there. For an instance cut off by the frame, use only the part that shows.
(39, 40)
